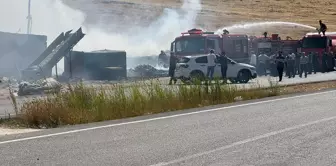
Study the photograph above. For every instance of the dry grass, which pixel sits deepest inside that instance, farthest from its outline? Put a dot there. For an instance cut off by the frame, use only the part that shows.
(218, 13)
(82, 104)
(85, 104)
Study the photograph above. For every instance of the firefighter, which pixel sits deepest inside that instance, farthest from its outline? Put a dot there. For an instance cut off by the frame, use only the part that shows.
(324, 62)
(323, 28)
(172, 66)
(280, 64)
(310, 63)
(315, 64)
(263, 59)
(223, 61)
(297, 63)
(303, 65)
(286, 65)
(273, 65)
(290, 65)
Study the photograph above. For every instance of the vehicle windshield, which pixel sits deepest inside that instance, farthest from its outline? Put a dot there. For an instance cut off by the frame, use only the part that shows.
(190, 45)
(314, 42)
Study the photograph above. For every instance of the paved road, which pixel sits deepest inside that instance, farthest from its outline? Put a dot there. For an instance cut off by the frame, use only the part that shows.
(7, 108)
(299, 130)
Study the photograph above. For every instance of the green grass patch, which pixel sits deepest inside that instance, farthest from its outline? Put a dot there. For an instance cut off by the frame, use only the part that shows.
(85, 104)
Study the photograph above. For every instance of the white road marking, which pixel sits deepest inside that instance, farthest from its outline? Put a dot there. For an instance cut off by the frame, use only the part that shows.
(160, 118)
(244, 142)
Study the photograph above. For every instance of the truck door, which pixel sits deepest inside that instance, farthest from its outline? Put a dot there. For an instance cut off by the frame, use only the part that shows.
(240, 50)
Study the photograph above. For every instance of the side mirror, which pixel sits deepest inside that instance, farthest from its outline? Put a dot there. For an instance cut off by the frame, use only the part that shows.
(232, 63)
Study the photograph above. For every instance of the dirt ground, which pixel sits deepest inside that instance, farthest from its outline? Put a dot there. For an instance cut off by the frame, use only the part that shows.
(216, 14)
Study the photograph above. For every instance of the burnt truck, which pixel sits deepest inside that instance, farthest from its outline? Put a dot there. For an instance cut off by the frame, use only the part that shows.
(198, 42)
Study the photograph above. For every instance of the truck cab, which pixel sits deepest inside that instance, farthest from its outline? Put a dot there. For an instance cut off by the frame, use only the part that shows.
(314, 42)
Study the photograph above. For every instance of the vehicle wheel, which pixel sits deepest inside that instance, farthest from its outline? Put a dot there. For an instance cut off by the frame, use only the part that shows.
(197, 76)
(244, 76)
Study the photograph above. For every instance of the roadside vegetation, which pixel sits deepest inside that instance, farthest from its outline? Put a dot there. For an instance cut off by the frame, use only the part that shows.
(84, 104)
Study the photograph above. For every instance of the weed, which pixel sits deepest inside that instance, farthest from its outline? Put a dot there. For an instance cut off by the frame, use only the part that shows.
(84, 104)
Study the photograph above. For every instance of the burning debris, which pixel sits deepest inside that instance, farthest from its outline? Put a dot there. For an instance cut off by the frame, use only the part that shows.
(48, 85)
(147, 71)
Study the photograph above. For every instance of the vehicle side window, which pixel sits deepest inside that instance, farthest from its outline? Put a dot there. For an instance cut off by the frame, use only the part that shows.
(238, 44)
(211, 44)
(203, 59)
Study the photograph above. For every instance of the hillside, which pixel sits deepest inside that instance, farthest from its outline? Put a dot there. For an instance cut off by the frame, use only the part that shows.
(214, 14)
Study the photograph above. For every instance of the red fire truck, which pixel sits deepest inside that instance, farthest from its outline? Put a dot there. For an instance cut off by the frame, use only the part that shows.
(314, 42)
(270, 45)
(198, 42)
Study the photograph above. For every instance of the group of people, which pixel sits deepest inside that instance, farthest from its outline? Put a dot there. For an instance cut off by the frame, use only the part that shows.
(295, 64)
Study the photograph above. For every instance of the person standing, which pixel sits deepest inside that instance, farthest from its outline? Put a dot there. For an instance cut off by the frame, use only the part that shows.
(315, 62)
(280, 64)
(303, 65)
(211, 64)
(172, 66)
(290, 66)
(263, 59)
(323, 28)
(297, 63)
(310, 63)
(223, 61)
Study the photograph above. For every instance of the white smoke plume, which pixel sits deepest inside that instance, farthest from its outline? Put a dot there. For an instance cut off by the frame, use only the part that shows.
(51, 17)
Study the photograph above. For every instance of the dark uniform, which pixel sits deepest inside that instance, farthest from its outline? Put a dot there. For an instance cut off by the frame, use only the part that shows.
(280, 64)
(223, 61)
(315, 62)
(323, 28)
(290, 65)
(172, 66)
(297, 63)
(310, 63)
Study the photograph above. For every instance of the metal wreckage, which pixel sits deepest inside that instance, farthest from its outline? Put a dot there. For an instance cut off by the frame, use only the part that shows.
(28, 58)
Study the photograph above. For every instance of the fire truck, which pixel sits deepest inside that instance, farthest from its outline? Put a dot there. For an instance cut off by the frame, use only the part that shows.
(314, 42)
(198, 42)
(273, 44)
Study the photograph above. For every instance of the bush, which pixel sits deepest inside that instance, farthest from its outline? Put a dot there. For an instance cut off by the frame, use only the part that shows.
(84, 104)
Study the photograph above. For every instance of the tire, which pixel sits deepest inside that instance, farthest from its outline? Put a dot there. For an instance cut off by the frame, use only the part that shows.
(197, 75)
(244, 76)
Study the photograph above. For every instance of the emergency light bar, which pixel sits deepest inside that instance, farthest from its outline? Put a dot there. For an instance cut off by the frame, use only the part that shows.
(196, 32)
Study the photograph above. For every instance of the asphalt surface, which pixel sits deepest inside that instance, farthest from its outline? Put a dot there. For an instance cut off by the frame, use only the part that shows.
(6, 106)
(296, 130)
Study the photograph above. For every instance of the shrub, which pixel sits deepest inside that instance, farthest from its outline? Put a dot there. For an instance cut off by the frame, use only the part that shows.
(84, 104)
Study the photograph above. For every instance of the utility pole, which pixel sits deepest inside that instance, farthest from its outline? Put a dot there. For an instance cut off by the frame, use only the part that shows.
(29, 18)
